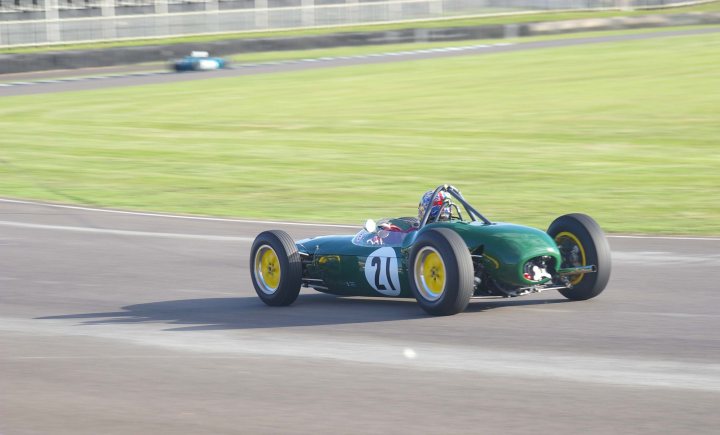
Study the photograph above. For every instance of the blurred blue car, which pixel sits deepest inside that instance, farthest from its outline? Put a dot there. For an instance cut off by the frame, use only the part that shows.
(199, 61)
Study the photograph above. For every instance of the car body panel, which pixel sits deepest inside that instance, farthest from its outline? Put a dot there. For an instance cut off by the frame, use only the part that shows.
(199, 63)
(505, 247)
(342, 265)
(348, 269)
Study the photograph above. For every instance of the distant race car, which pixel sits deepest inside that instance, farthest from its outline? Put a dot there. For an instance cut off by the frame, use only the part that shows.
(440, 259)
(199, 61)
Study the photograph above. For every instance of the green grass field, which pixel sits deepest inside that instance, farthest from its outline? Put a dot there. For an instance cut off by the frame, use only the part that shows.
(627, 132)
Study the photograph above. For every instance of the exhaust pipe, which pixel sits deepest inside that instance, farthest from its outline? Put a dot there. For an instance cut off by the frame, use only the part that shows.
(577, 270)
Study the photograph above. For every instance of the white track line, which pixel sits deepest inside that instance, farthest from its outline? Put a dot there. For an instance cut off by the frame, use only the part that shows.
(268, 222)
(126, 232)
(172, 216)
(707, 239)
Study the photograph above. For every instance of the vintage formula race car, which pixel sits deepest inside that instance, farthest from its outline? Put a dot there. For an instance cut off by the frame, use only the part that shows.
(442, 262)
(199, 61)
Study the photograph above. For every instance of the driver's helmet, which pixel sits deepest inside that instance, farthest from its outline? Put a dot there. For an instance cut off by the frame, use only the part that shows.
(437, 206)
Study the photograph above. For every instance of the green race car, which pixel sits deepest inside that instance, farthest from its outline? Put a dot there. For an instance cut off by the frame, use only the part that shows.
(448, 255)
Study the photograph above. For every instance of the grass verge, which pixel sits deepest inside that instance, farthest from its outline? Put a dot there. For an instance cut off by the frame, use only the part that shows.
(626, 132)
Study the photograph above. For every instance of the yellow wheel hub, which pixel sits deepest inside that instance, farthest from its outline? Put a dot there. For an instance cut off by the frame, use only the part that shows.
(434, 273)
(267, 269)
(566, 240)
(430, 274)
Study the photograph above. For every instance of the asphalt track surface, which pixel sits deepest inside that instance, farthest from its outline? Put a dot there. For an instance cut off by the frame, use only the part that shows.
(137, 76)
(136, 323)
(122, 323)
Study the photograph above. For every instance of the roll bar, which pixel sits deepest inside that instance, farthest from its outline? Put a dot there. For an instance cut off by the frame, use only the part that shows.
(447, 188)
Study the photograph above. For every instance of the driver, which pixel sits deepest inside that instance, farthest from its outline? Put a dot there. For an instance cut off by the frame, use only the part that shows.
(396, 229)
(440, 207)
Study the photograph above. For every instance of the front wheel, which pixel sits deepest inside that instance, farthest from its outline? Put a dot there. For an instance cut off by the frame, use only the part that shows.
(275, 268)
(441, 272)
(582, 242)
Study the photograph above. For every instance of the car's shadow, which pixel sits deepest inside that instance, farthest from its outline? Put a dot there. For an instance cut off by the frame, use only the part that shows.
(251, 313)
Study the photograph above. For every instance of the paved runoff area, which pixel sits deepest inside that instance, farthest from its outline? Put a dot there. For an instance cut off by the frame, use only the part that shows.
(140, 323)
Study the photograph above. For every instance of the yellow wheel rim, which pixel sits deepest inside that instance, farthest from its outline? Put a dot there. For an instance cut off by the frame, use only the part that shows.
(430, 274)
(267, 269)
(574, 252)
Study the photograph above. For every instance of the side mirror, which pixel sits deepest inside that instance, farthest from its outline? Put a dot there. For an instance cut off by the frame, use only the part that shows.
(370, 226)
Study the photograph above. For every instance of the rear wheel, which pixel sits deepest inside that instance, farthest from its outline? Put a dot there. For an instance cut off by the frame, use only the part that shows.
(441, 272)
(582, 242)
(276, 269)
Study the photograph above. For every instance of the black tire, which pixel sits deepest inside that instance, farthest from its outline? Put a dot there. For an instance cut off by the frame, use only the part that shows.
(278, 281)
(580, 231)
(457, 281)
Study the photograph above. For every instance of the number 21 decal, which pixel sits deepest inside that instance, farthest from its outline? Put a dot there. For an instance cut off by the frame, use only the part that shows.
(381, 271)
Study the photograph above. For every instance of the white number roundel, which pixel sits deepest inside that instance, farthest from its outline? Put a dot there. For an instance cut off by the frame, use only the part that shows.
(381, 271)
